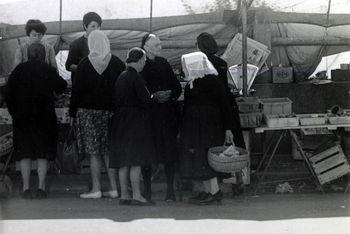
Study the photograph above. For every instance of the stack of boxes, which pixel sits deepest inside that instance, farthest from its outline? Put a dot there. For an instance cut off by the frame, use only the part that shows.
(250, 111)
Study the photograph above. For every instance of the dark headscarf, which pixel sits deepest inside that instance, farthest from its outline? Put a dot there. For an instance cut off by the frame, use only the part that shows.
(144, 40)
(36, 51)
(206, 43)
(134, 55)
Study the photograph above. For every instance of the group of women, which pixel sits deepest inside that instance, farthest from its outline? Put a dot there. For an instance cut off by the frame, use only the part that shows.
(126, 114)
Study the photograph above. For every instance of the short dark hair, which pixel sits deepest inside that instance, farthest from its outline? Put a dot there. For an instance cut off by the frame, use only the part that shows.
(145, 39)
(207, 44)
(36, 25)
(91, 16)
(36, 51)
(134, 55)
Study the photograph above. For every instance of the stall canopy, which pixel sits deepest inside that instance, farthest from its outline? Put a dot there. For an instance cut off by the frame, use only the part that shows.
(299, 33)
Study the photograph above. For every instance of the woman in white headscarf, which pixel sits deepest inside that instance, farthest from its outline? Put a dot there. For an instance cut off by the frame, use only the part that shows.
(207, 120)
(91, 108)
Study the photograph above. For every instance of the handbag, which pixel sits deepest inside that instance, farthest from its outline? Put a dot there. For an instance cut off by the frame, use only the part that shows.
(69, 159)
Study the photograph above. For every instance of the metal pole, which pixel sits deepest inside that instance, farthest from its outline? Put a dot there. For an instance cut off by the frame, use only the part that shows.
(60, 18)
(151, 17)
(244, 47)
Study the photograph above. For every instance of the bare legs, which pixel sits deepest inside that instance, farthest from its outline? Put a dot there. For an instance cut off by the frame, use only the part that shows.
(26, 166)
(211, 186)
(112, 174)
(42, 171)
(95, 167)
(134, 172)
(124, 181)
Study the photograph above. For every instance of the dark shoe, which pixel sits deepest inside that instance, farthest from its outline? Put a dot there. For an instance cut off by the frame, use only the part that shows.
(125, 202)
(217, 197)
(135, 202)
(170, 197)
(199, 196)
(237, 189)
(27, 194)
(40, 194)
(147, 194)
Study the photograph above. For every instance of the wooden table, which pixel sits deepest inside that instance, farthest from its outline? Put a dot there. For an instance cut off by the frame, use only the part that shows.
(279, 133)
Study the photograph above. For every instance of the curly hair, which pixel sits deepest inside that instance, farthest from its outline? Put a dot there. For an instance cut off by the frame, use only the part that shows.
(36, 25)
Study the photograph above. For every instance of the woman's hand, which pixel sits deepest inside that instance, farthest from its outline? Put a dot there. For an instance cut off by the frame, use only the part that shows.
(228, 137)
(162, 96)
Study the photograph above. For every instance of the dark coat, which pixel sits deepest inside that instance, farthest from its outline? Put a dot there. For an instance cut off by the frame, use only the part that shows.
(92, 90)
(131, 136)
(221, 66)
(30, 99)
(159, 76)
(207, 115)
(78, 50)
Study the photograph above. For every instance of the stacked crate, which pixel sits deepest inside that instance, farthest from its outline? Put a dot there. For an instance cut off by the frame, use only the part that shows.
(250, 111)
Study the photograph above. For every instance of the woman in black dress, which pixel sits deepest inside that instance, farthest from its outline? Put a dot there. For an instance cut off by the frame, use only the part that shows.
(207, 44)
(163, 84)
(206, 123)
(30, 99)
(91, 106)
(131, 137)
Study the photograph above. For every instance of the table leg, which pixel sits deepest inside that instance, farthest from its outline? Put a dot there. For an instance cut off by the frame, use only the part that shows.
(306, 160)
(260, 180)
(265, 151)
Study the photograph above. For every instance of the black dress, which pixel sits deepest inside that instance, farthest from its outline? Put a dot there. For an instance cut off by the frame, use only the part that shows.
(131, 136)
(29, 95)
(221, 66)
(159, 76)
(207, 115)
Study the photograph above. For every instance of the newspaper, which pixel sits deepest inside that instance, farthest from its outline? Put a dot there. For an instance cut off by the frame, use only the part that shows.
(257, 53)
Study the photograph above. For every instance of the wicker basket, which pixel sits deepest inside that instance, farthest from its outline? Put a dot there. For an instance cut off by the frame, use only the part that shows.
(227, 164)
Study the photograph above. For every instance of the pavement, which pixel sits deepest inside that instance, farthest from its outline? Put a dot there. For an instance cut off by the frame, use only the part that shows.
(268, 213)
(306, 211)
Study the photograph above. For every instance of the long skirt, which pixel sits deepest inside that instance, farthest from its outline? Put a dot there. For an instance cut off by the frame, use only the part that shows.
(165, 128)
(131, 138)
(202, 128)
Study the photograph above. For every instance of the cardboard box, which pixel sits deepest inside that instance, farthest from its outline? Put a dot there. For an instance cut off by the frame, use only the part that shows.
(340, 75)
(282, 74)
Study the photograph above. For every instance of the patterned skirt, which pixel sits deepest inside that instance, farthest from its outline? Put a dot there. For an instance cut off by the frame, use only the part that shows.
(93, 131)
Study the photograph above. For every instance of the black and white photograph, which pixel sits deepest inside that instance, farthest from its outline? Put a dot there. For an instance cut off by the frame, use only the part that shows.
(174, 116)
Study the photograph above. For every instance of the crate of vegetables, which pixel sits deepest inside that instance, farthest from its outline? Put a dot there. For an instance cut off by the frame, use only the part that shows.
(248, 104)
(312, 119)
(342, 117)
(282, 120)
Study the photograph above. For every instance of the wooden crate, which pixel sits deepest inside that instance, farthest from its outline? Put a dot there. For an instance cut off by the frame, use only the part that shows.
(312, 119)
(275, 121)
(330, 164)
(250, 120)
(248, 104)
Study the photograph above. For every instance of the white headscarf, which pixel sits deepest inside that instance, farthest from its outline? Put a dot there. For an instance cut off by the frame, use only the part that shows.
(100, 51)
(196, 65)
